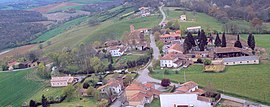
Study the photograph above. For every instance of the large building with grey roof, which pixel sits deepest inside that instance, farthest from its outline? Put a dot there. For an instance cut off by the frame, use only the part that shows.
(241, 60)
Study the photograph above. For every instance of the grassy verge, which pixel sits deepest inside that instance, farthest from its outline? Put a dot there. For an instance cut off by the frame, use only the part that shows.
(16, 88)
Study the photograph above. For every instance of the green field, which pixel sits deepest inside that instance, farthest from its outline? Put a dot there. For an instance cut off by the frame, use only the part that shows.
(88, 1)
(16, 89)
(110, 29)
(58, 30)
(85, 102)
(155, 103)
(76, 7)
(207, 22)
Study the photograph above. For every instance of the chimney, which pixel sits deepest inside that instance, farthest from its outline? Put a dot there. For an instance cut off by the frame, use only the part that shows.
(132, 28)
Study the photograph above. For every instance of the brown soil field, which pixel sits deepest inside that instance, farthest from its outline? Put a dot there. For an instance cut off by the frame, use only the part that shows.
(18, 51)
(47, 8)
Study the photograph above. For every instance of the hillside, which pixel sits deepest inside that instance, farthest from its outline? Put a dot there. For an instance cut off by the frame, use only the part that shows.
(18, 27)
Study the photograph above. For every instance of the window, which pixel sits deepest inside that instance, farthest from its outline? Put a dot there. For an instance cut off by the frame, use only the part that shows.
(240, 62)
(254, 61)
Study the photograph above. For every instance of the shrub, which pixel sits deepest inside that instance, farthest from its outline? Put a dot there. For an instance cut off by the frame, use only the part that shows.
(199, 60)
(85, 85)
(207, 62)
(165, 82)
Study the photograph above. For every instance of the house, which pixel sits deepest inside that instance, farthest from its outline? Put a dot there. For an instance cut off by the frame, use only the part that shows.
(168, 38)
(145, 11)
(117, 51)
(173, 60)
(189, 87)
(139, 94)
(136, 38)
(182, 100)
(190, 95)
(176, 49)
(61, 81)
(194, 29)
(112, 89)
(241, 60)
(183, 18)
(227, 52)
(12, 65)
(111, 43)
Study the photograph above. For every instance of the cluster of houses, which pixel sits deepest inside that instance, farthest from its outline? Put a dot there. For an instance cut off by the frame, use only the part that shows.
(13, 64)
(145, 11)
(174, 57)
(136, 41)
(173, 50)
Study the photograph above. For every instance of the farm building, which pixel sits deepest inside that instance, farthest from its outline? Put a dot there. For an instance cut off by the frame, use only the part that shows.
(61, 81)
(183, 18)
(227, 52)
(168, 38)
(172, 60)
(194, 29)
(241, 60)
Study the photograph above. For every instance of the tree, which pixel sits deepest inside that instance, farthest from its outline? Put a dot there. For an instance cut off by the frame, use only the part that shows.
(68, 91)
(49, 43)
(32, 56)
(103, 103)
(40, 46)
(127, 80)
(223, 41)
(32, 103)
(96, 44)
(191, 39)
(187, 45)
(202, 40)
(91, 91)
(85, 85)
(157, 35)
(238, 43)
(165, 82)
(41, 71)
(251, 41)
(44, 101)
(95, 63)
(217, 41)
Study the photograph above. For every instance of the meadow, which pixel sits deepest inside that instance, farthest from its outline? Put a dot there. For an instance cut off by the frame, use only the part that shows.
(16, 88)
(198, 19)
(60, 29)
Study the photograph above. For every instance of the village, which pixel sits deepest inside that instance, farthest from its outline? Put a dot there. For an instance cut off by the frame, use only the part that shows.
(124, 80)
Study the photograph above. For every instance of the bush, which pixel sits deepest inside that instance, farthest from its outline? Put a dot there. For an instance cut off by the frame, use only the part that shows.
(207, 62)
(85, 85)
(150, 70)
(165, 82)
(199, 60)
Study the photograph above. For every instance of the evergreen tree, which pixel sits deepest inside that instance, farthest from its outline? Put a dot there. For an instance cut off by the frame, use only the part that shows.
(238, 43)
(251, 41)
(191, 39)
(32, 103)
(217, 41)
(44, 101)
(202, 40)
(223, 41)
(187, 45)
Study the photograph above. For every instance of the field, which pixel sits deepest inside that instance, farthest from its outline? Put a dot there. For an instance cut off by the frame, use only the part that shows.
(155, 103)
(88, 1)
(85, 102)
(55, 6)
(17, 51)
(16, 89)
(62, 28)
(110, 29)
(207, 22)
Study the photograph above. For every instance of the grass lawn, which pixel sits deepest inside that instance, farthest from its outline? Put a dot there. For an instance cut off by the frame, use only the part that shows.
(207, 22)
(155, 103)
(47, 92)
(244, 80)
(85, 102)
(16, 89)
(60, 29)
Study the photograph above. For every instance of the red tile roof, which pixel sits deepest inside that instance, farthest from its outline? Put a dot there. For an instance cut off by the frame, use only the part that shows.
(186, 86)
(177, 47)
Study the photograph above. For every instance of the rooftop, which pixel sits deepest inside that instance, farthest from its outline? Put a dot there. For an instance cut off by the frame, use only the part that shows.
(242, 58)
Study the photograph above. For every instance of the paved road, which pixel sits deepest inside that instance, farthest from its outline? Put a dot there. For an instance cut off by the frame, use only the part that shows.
(163, 14)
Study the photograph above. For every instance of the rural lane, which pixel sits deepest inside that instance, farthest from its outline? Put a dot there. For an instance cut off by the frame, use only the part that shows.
(163, 14)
